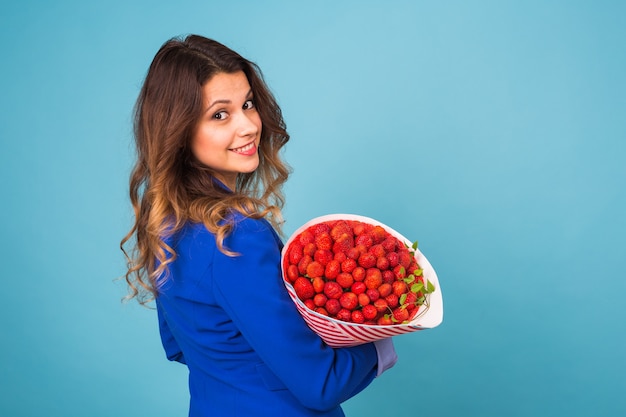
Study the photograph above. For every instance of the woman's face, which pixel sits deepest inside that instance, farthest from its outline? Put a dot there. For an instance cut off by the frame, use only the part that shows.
(229, 131)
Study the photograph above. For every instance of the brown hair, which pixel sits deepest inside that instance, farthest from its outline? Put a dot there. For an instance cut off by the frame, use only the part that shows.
(168, 185)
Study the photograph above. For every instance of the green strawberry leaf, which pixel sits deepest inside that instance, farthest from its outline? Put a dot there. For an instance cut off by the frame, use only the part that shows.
(430, 287)
(402, 299)
(417, 287)
(414, 245)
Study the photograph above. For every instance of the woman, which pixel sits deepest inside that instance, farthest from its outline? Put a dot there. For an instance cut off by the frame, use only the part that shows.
(206, 190)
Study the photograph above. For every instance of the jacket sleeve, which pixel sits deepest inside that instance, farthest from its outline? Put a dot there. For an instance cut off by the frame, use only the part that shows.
(172, 350)
(251, 290)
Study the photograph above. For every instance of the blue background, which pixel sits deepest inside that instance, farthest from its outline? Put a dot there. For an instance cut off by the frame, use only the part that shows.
(491, 131)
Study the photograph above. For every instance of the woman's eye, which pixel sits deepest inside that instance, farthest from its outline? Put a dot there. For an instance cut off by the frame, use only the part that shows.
(249, 104)
(220, 115)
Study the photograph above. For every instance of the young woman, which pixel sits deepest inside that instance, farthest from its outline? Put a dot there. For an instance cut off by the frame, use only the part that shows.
(206, 190)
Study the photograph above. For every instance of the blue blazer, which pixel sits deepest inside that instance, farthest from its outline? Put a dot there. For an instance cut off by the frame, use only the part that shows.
(248, 350)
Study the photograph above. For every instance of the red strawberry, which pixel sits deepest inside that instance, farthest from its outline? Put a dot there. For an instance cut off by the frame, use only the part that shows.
(379, 234)
(320, 300)
(390, 243)
(382, 263)
(348, 265)
(344, 315)
(292, 273)
(399, 288)
(400, 314)
(393, 258)
(345, 280)
(322, 311)
(384, 320)
(304, 263)
(381, 305)
(377, 250)
(333, 306)
(332, 290)
(343, 244)
(320, 228)
(304, 288)
(358, 287)
(392, 300)
(357, 317)
(359, 273)
(367, 260)
(340, 228)
(358, 228)
(333, 268)
(385, 289)
(369, 312)
(306, 237)
(309, 249)
(373, 294)
(315, 269)
(399, 271)
(309, 304)
(373, 278)
(295, 253)
(349, 300)
(318, 284)
(389, 276)
(364, 239)
(405, 258)
(363, 299)
(323, 256)
(340, 256)
(324, 241)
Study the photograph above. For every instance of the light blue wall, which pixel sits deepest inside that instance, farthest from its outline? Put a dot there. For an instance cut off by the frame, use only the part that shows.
(494, 132)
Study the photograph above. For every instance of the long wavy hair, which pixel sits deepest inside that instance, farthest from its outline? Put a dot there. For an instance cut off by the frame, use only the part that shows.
(168, 185)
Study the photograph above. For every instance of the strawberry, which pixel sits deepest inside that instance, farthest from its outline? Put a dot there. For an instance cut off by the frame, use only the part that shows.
(340, 256)
(318, 284)
(315, 269)
(322, 311)
(379, 234)
(295, 253)
(357, 317)
(320, 300)
(377, 250)
(363, 299)
(367, 260)
(392, 300)
(405, 258)
(382, 263)
(389, 276)
(343, 243)
(345, 280)
(393, 258)
(389, 244)
(400, 315)
(324, 241)
(373, 294)
(309, 304)
(332, 290)
(320, 228)
(364, 239)
(304, 288)
(349, 300)
(333, 306)
(306, 237)
(385, 289)
(358, 287)
(292, 273)
(309, 249)
(304, 263)
(323, 256)
(384, 320)
(381, 305)
(369, 312)
(333, 268)
(344, 314)
(359, 273)
(373, 278)
(399, 288)
(348, 265)
(340, 228)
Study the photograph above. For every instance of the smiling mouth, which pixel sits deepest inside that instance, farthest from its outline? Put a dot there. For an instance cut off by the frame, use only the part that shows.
(249, 149)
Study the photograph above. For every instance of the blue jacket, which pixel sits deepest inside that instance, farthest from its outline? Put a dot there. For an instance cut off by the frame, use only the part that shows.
(249, 352)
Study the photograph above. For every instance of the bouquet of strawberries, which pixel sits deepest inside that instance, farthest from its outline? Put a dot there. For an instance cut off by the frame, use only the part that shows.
(355, 280)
